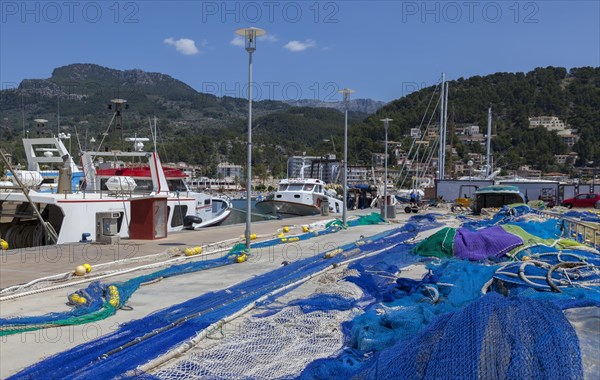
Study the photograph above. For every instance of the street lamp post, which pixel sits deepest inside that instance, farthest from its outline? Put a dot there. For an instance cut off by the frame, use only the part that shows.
(470, 165)
(386, 124)
(250, 35)
(346, 93)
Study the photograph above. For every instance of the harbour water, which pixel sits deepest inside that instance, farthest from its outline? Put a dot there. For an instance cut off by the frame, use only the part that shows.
(238, 214)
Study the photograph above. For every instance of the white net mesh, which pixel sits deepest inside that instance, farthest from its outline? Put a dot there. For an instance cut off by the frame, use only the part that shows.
(271, 347)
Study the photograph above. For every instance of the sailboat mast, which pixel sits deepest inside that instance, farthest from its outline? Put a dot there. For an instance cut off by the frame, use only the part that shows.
(440, 149)
(488, 167)
(445, 131)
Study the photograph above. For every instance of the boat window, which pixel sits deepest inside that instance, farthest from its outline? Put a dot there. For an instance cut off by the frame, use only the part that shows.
(207, 201)
(309, 187)
(176, 185)
(218, 205)
(295, 187)
(318, 189)
(179, 213)
(283, 187)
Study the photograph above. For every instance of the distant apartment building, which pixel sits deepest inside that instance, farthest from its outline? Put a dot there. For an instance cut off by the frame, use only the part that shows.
(527, 172)
(552, 123)
(566, 159)
(359, 174)
(415, 133)
(378, 159)
(230, 172)
(325, 167)
(471, 135)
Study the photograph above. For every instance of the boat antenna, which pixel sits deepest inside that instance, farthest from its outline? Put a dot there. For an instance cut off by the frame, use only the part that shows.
(155, 134)
(58, 115)
(110, 107)
(78, 141)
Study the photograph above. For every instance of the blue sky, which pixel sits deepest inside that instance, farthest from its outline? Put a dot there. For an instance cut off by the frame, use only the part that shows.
(382, 49)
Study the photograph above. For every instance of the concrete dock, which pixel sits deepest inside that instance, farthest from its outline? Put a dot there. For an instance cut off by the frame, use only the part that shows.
(20, 266)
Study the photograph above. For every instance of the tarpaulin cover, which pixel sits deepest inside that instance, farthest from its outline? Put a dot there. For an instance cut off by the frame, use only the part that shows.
(485, 243)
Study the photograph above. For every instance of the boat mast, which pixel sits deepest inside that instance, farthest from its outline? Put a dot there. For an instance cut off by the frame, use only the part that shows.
(440, 150)
(488, 167)
(445, 131)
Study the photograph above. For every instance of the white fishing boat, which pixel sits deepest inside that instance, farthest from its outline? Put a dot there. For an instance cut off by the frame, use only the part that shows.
(97, 205)
(300, 197)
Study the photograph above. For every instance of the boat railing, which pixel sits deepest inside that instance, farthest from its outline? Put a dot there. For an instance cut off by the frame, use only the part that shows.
(81, 194)
(581, 231)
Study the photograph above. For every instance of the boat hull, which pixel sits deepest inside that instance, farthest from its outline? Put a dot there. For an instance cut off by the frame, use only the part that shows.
(273, 207)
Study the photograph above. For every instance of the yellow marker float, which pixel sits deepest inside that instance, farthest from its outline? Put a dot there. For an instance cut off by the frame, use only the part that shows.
(191, 251)
(113, 296)
(80, 270)
(77, 299)
(332, 253)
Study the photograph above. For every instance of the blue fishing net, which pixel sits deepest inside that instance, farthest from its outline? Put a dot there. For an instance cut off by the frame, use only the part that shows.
(139, 341)
(494, 337)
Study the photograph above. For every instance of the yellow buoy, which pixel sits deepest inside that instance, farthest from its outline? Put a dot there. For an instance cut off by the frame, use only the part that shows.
(88, 267)
(280, 235)
(198, 250)
(188, 251)
(525, 258)
(80, 270)
(77, 299)
(113, 296)
(304, 228)
(4, 244)
(293, 239)
(241, 258)
(284, 240)
(286, 229)
(332, 253)
(252, 236)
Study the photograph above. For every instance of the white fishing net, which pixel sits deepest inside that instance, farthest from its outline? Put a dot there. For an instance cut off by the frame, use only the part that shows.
(270, 347)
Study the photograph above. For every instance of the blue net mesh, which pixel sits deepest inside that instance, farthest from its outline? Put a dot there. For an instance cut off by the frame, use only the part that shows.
(138, 341)
(435, 325)
(475, 343)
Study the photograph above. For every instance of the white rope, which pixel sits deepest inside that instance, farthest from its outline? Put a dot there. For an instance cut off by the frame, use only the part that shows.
(202, 334)
(107, 275)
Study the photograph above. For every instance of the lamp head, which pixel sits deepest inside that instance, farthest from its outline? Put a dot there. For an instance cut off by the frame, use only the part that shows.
(346, 93)
(386, 122)
(250, 35)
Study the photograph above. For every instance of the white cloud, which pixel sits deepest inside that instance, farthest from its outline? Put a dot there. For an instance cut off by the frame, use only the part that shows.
(296, 46)
(269, 38)
(185, 46)
(238, 41)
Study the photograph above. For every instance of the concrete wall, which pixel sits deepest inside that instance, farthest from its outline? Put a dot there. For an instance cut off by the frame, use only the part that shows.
(451, 189)
(532, 190)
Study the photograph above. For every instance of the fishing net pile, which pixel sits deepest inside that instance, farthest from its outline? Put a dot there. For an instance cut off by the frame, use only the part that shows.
(508, 297)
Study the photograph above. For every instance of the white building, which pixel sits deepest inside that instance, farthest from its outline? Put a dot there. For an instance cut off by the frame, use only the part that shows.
(325, 168)
(229, 171)
(551, 123)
